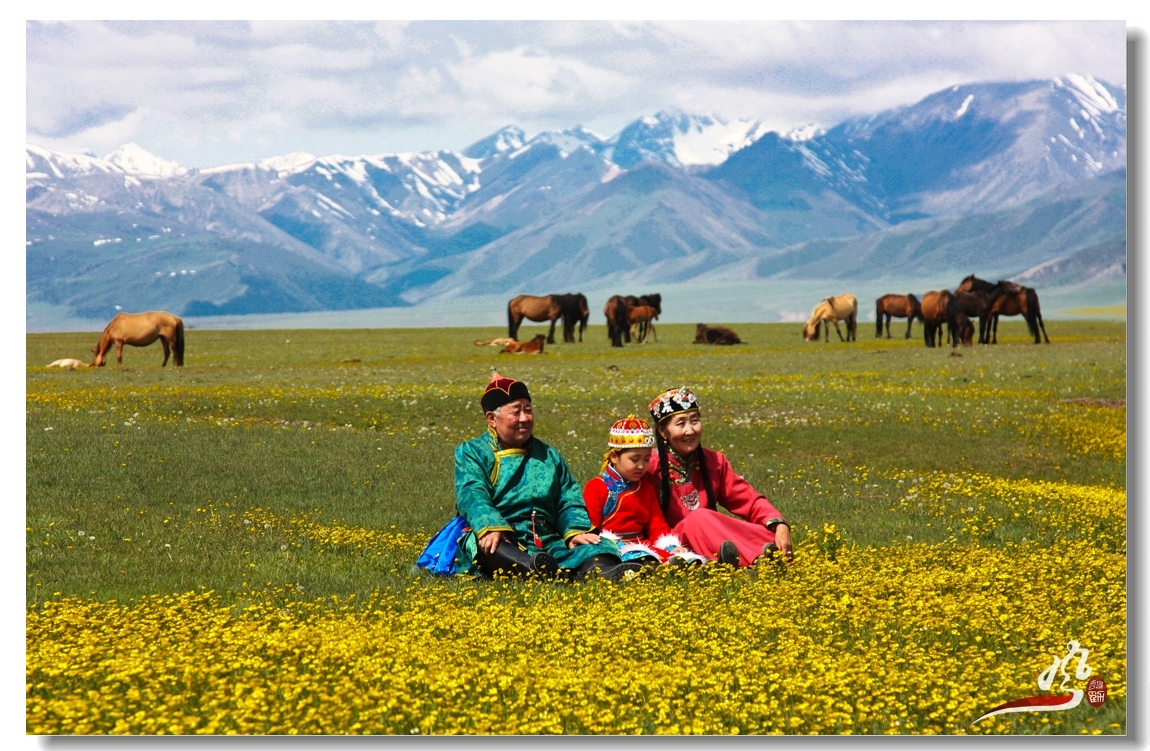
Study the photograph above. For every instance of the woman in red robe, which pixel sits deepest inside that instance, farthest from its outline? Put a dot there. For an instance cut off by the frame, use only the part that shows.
(692, 480)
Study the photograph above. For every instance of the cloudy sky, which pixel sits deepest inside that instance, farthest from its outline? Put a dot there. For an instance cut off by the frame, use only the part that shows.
(209, 93)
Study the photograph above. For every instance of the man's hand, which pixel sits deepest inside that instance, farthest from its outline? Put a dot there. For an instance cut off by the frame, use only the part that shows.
(783, 540)
(490, 541)
(586, 538)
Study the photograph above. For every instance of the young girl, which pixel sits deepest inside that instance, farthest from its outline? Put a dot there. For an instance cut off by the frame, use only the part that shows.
(624, 506)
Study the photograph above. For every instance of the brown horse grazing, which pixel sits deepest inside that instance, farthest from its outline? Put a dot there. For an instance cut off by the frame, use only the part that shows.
(705, 334)
(533, 347)
(545, 308)
(889, 307)
(140, 330)
(644, 317)
(832, 310)
(617, 311)
(1014, 299)
(940, 308)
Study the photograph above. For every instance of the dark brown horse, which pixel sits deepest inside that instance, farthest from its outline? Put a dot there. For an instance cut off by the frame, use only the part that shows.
(617, 311)
(939, 308)
(1021, 301)
(140, 330)
(545, 308)
(976, 304)
(705, 334)
(1012, 300)
(575, 312)
(889, 307)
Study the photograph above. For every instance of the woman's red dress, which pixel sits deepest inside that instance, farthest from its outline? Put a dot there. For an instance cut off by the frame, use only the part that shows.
(694, 519)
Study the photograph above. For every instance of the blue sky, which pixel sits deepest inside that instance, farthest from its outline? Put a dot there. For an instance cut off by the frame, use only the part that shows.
(209, 93)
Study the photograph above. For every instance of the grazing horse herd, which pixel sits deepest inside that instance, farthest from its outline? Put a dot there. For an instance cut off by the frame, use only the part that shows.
(632, 318)
(973, 298)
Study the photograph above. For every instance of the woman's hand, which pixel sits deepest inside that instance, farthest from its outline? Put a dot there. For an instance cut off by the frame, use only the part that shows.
(586, 538)
(489, 542)
(783, 540)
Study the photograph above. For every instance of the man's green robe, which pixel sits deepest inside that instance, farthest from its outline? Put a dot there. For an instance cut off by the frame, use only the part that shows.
(497, 489)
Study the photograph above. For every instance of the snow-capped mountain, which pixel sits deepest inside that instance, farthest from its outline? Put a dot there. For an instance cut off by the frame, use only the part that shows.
(966, 149)
(676, 192)
(502, 141)
(682, 140)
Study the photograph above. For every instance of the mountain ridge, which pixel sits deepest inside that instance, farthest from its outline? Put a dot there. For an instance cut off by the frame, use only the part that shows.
(669, 195)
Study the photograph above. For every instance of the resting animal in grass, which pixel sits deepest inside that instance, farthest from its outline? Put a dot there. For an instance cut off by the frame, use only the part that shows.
(67, 363)
(533, 347)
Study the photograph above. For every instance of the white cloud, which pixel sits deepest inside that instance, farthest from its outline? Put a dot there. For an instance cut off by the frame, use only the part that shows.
(204, 93)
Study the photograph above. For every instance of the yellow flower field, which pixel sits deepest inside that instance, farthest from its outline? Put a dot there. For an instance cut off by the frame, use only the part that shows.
(232, 555)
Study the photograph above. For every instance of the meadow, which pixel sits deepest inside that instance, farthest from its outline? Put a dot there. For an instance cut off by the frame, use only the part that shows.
(229, 547)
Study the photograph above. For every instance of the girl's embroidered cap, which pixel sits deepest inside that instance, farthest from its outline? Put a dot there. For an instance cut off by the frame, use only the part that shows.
(502, 390)
(672, 402)
(631, 433)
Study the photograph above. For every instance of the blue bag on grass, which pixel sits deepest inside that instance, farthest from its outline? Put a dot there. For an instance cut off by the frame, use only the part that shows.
(439, 555)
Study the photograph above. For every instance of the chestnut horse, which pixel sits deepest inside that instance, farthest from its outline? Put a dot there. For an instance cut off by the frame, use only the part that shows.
(533, 347)
(889, 307)
(140, 330)
(617, 311)
(1012, 300)
(545, 308)
(832, 310)
(655, 300)
(644, 316)
(940, 308)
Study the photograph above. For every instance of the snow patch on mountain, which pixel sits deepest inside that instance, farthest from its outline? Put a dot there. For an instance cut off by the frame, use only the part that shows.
(508, 138)
(42, 163)
(1093, 95)
(681, 140)
(135, 160)
(570, 139)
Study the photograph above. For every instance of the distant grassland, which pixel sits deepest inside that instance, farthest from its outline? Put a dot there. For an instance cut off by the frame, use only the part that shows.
(228, 547)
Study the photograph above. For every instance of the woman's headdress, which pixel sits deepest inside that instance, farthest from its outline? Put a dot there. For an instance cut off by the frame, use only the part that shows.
(672, 402)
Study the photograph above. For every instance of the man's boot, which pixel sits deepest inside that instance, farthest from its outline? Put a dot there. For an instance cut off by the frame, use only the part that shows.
(609, 567)
(511, 560)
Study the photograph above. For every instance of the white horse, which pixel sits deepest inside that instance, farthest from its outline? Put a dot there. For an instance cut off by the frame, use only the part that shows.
(67, 363)
(832, 310)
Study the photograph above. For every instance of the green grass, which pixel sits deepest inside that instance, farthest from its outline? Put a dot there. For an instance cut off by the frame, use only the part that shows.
(796, 419)
(355, 428)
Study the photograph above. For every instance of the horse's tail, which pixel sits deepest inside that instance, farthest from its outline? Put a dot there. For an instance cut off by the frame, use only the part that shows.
(878, 316)
(511, 327)
(178, 344)
(1033, 315)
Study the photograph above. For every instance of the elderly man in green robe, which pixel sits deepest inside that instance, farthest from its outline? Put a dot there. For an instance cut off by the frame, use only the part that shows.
(524, 509)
